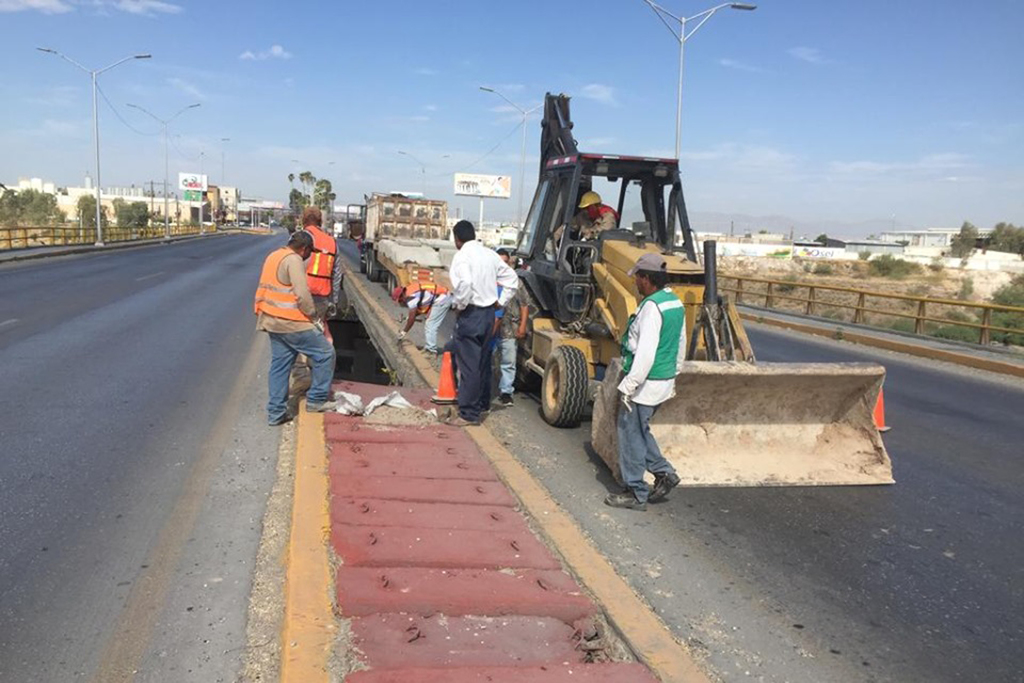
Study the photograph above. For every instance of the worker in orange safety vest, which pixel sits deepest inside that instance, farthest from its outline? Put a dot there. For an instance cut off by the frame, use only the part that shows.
(424, 299)
(323, 271)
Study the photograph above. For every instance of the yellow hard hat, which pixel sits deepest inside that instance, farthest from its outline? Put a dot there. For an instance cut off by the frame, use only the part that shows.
(589, 198)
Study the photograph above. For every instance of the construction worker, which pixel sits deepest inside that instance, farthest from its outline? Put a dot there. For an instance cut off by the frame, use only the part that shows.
(323, 271)
(476, 272)
(653, 350)
(286, 312)
(509, 326)
(594, 217)
(424, 299)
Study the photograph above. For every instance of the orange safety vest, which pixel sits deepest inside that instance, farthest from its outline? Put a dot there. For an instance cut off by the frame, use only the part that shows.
(320, 269)
(273, 297)
(421, 308)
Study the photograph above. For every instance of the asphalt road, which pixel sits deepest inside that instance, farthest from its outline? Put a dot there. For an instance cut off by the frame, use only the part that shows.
(135, 461)
(920, 581)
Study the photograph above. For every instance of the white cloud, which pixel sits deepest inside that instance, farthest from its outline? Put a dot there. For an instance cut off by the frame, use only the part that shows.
(930, 164)
(275, 52)
(137, 7)
(605, 94)
(811, 55)
(56, 96)
(186, 87)
(425, 71)
(740, 66)
(430, 107)
(146, 7)
(44, 6)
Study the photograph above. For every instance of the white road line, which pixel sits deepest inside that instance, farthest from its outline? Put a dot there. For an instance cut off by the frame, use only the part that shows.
(146, 277)
(8, 322)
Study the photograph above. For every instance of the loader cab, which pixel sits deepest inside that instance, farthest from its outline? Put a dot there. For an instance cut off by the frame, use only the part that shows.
(645, 192)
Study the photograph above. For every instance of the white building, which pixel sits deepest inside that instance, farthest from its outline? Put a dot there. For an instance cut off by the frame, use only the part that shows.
(939, 238)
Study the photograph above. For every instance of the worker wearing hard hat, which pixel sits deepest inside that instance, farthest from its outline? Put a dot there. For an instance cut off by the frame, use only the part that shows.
(594, 217)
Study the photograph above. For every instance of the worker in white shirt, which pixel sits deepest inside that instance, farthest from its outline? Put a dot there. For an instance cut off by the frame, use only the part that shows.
(653, 350)
(475, 274)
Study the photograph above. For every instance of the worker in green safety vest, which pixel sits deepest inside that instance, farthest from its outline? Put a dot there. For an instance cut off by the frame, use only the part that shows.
(653, 349)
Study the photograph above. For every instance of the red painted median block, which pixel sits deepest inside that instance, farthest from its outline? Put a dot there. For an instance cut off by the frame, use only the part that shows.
(412, 515)
(392, 641)
(363, 546)
(344, 428)
(463, 450)
(420, 464)
(414, 489)
(552, 673)
(362, 591)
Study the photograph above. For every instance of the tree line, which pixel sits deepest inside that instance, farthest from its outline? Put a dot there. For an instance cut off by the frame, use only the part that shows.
(1004, 237)
(32, 208)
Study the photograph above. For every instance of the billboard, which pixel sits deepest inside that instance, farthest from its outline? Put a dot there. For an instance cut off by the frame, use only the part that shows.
(475, 185)
(191, 182)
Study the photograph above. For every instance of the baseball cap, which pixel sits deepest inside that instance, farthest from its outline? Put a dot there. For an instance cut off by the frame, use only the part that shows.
(648, 261)
(396, 293)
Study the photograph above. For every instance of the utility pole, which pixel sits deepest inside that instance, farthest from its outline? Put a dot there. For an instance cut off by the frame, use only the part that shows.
(525, 113)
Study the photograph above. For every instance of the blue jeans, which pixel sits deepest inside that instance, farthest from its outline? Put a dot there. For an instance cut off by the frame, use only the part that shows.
(508, 366)
(638, 451)
(434, 319)
(283, 350)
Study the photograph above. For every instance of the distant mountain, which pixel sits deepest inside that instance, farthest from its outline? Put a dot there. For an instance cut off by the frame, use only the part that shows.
(740, 224)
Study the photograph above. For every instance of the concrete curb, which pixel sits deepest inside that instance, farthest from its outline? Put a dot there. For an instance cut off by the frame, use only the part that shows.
(648, 638)
(967, 360)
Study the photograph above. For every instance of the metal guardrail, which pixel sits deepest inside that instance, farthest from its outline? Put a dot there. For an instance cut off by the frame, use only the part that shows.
(28, 237)
(924, 311)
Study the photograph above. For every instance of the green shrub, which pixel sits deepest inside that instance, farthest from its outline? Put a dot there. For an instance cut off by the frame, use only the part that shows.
(823, 269)
(864, 255)
(1011, 294)
(888, 266)
(956, 333)
(936, 266)
(966, 289)
(791, 283)
(902, 325)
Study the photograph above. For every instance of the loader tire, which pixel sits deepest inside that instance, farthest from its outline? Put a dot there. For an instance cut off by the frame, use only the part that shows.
(564, 391)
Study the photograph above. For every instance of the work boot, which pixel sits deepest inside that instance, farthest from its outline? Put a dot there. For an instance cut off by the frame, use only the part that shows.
(626, 499)
(325, 407)
(663, 483)
(459, 421)
(278, 421)
(505, 399)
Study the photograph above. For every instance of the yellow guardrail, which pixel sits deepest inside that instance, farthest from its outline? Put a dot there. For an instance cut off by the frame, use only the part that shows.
(27, 237)
(861, 306)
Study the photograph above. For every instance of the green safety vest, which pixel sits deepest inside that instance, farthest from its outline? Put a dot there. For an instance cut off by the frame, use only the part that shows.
(673, 317)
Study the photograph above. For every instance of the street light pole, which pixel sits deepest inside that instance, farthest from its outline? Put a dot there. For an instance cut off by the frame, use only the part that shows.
(94, 74)
(165, 123)
(682, 36)
(522, 158)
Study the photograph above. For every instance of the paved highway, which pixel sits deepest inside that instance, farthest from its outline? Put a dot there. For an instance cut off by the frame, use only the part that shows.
(921, 581)
(135, 462)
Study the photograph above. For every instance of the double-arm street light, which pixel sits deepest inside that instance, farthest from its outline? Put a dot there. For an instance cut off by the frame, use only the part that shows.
(165, 123)
(93, 74)
(522, 157)
(682, 35)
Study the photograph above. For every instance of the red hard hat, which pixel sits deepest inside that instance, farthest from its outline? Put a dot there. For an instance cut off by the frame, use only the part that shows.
(396, 293)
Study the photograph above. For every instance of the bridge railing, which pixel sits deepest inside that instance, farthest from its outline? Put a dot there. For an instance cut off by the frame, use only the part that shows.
(982, 323)
(28, 237)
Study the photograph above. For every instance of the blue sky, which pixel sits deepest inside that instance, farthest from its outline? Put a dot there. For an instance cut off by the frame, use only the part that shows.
(906, 111)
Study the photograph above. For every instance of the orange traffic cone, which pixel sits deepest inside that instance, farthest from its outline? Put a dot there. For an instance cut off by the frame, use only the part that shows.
(446, 387)
(880, 412)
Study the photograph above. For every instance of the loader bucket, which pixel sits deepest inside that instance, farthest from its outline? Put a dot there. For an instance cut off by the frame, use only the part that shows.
(766, 424)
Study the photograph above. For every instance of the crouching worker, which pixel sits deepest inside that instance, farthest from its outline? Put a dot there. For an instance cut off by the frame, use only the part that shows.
(653, 350)
(286, 312)
(424, 299)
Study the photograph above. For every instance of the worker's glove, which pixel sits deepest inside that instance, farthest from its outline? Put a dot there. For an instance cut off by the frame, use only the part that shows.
(401, 335)
(627, 403)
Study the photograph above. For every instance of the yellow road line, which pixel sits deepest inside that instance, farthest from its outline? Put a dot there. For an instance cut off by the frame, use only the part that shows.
(968, 360)
(309, 627)
(647, 636)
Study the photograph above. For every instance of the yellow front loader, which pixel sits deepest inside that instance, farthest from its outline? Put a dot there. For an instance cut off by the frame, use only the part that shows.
(733, 421)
